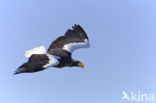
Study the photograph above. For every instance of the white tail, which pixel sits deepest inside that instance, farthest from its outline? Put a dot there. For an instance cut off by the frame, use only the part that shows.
(37, 50)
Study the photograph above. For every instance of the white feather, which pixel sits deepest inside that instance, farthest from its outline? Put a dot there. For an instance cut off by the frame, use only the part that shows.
(73, 46)
(37, 50)
(52, 61)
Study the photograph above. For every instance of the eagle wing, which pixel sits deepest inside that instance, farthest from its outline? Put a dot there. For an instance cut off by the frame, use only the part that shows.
(73, 39)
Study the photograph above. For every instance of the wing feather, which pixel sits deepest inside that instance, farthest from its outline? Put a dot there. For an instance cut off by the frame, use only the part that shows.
(73, 39)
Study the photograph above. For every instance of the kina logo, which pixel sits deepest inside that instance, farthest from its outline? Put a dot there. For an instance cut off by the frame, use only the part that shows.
(137, 96)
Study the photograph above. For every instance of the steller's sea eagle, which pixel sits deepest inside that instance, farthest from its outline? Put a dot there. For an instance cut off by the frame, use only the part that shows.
(58, 54)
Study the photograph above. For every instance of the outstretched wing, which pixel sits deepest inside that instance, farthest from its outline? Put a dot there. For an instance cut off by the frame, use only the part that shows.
(37, 62)
(73, 39)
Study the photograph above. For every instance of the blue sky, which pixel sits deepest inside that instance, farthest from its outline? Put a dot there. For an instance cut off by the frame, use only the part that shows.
(122, 55)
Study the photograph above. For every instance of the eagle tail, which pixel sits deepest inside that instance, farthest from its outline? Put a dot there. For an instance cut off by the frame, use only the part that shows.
(37, 50)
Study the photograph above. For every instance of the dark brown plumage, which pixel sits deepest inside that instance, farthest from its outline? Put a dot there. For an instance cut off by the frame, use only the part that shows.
(58, 54)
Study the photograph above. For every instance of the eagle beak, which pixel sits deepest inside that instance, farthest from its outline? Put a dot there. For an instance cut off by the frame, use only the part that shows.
(80, 65)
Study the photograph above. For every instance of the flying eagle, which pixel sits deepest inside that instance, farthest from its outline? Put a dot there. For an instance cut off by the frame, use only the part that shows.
(58, 54)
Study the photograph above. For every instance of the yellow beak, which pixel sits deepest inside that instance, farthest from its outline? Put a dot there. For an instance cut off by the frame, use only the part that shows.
(80, 65)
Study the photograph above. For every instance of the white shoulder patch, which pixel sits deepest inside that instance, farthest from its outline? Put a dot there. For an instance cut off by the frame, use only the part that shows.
(73, 46)
(52, 61)
(37, 50)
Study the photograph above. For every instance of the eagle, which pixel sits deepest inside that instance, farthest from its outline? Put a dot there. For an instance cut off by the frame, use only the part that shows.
(59, 53)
